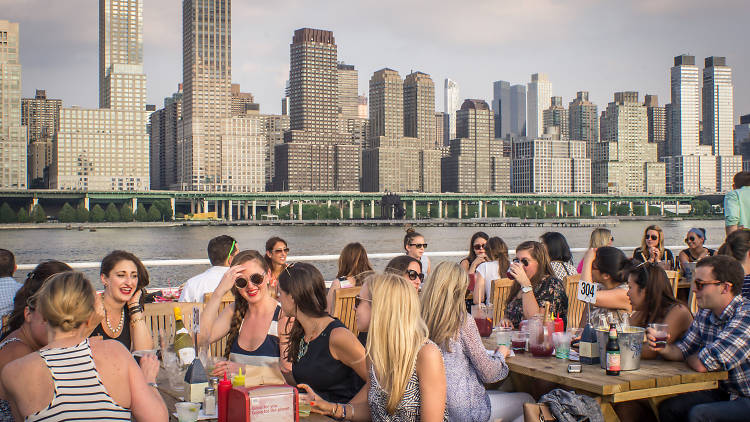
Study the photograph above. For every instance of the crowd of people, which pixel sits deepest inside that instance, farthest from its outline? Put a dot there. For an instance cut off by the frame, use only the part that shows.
(417, 353)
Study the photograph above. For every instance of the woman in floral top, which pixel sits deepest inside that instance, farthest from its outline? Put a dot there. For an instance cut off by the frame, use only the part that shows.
(535, 284)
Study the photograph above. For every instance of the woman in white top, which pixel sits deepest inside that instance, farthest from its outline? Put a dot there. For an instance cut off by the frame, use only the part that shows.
(495, 268)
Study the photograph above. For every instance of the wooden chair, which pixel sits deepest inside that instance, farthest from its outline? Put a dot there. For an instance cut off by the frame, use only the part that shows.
(160, 316)
(575, 306)
(674, 280)
(343, 307)
(6, 325)
(217, 347)
(692, 302)
(500, 291)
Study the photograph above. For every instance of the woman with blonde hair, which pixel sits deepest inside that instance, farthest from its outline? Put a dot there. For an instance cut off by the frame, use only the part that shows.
(77, 378)
(353, 266)
(652, 249)
(468, 367)
(252, 321)
(600, 237)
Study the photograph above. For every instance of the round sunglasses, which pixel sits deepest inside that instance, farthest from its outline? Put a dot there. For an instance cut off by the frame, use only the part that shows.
(256, 279)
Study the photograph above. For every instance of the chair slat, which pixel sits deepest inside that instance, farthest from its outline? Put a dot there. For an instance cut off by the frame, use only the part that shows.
(575, 306)
(343, 307)
(500, 291)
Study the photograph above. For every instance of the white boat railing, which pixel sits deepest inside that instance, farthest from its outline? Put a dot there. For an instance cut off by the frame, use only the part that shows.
(307, 258)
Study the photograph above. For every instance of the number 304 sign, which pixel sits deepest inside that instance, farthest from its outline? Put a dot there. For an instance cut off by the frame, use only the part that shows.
(586, 291)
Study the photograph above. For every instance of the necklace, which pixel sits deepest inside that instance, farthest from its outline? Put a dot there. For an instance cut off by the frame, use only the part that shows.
(303, 343)
(119, 326)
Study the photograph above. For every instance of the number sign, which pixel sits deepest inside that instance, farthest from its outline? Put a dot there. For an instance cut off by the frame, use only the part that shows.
(586, 291)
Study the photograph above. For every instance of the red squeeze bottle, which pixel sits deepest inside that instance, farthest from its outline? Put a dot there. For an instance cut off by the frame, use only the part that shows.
(559, 325)
(223, 397)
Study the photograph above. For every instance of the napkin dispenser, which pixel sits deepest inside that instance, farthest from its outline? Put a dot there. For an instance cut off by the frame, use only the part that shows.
(267, 403)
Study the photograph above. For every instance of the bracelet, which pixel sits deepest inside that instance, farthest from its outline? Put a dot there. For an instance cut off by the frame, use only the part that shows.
(152, 384)
(135, 308)
(352, 415)
(134, 320)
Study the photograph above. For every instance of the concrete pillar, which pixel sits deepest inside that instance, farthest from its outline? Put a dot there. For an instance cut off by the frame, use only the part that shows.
(459, 208)
(630, 207)
(440, 208)
(299, 210)
(205, 206)
(479, 209)
(341, 209)
(661, 205)
(351, 209)
(192, 206)
(133, 203)
(223, 212)
(557, 209)
(414, 209)
(362, 210)
(172, 204)
(268, 208)
(609, 207)
(429, 215)
(278, 204)
(247, 209)
(372, 208)
(677, 207)
(646, 207)
(575, 208)
(501, 208)
(216, 208)
(328, 203)
(254, 205)
(86, 202)
(593, 209)
(229, 210)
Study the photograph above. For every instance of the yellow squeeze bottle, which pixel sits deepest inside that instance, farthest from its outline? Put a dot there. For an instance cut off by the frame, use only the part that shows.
(238, 380)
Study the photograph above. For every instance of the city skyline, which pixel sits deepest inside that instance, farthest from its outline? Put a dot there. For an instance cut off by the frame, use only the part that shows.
(632, 56)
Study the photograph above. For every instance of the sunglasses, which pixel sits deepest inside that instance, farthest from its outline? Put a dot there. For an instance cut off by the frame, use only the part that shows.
(523, 261)
(700, 284)
(358, 299)
(652, 237)
(285, 250)
(413, 275)
(690, 239)
(256, 279)
(419, 245)
(479, 246)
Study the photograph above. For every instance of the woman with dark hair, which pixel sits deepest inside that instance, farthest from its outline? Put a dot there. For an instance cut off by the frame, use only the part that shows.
(694, 252)
(415, 245)
(276, 254)
(496, 267)
(327, 359)
(653, 301)
(28, 331)
(535, 284)
(251, 321)
(606, 266)
(353, 266)
(737, 245)
(560, 257)
(477, 253)
(408, 267)
(125, 279)
(652, 248)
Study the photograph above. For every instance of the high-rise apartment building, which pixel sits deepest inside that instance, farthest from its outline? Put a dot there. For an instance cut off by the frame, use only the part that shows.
(241, 103)
(583, 121)
(518, 110)
(41, 116)
(501, 108)
(13, 173)
(451, 104)
(108, 148)
(538, 99)
(163, 142)
(656, 119)
(556, 119)
(386, 106)
(275, 126)
(315, 155)
(742, 140)
(718, 105)
(348, 97)
(624, 162)
(550, 166)
(439, 136)
(419, 108)
(686, 107)
(475, 163)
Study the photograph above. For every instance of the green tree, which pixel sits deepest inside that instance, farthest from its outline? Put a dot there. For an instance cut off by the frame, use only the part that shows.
(7, 215)
(97, 214)
(140, 213)
(38, 214)
(700, 207)
(126, 213)
(82, 214)
(639, 210)
(23, 216)
(67, 214)
(153, 213)
(112, 215)
(165, 209)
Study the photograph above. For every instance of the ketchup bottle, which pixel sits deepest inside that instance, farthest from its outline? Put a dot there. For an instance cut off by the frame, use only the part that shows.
(223, 397)
(559, 325)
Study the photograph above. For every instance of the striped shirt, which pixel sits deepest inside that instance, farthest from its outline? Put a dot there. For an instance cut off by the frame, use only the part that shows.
(79, 393)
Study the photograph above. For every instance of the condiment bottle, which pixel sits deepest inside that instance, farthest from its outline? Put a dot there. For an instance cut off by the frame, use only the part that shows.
(238, 380)
(209, 401)
(559, 325)
(224, 387)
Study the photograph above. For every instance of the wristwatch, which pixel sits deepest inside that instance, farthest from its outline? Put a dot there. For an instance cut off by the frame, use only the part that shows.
(526, 289)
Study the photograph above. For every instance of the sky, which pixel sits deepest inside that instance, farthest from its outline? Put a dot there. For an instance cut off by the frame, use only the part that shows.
(600, 46)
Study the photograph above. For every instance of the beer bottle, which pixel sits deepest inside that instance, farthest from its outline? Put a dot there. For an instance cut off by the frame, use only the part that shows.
(613, 352)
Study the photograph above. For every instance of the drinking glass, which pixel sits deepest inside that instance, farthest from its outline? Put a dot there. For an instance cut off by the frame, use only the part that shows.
(483, 317)
(518, 341)
(562, 344)
(502, 336)
(304, 406)
(187, 411)
(660, 334)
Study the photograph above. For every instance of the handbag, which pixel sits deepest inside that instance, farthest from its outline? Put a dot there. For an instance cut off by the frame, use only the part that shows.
(537, 412)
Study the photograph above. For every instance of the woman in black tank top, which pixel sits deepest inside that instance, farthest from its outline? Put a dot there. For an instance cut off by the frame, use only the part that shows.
(328, 362)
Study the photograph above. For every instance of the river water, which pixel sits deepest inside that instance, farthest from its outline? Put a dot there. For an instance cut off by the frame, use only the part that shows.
(33, 245)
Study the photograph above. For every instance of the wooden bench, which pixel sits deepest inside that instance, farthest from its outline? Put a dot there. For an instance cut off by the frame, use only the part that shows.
(343, 307)
(160, 317)
(500, 292)
(575, 306)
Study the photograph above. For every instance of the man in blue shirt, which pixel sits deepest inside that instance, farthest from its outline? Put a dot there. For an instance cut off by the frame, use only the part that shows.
(737, 203)
(8, 285)
(717, 340)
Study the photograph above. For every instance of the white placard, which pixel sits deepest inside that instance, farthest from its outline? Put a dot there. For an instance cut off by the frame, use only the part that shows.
(586, 291)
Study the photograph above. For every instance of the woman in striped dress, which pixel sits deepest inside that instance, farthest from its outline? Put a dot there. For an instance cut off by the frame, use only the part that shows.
(74, 378)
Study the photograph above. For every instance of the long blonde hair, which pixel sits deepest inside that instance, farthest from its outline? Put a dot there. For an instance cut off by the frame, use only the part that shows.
(443, 306)
(644, 248)
(600, 237)
(397, 333)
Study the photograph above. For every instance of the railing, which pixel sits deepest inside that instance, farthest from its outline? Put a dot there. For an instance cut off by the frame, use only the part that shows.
(308, 258)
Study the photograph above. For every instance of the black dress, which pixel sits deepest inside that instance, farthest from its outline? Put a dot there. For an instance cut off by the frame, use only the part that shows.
(639, 256)
(124, 336)
(331, 379)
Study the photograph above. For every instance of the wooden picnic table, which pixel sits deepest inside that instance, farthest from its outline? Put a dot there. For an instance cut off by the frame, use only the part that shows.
(654, 381)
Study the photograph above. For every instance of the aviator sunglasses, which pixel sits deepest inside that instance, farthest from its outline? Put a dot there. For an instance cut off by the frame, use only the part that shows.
(256, 279)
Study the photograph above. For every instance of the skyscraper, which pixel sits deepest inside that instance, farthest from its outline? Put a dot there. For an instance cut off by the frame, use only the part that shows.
(538, 99)
(583, 120)
(315, 155)
(163, 142)
(556, 119)
(41, 115)
(386, 106)
(550, 166)
(518, 110)
(451, 104)
(742, 140)
(656, 119)
(686, 107)
(718, 105)
(501, 108)
(12, 134)
(348, 98)
(419, 108)
(108, 148)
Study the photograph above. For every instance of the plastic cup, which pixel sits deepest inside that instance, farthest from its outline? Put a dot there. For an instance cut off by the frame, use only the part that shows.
(562, 344)
(502, 336)
(304, 407)
(187, 411)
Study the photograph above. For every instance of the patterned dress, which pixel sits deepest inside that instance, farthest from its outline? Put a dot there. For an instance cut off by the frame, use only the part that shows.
(408, 409)
(5, 413)
(551, 290)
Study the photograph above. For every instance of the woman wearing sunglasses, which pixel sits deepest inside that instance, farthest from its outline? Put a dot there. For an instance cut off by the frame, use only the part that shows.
(415, 245)
(694, 252)
(477, 253)
(252, 321)
(276, 254)
(535, 284)
(408, 267)
(497, 264)
(652, 249)
(607, 266)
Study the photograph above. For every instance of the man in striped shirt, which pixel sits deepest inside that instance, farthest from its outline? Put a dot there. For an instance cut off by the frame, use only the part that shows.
(716, 341)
